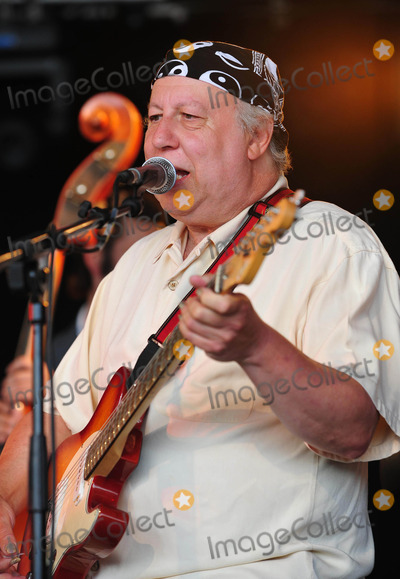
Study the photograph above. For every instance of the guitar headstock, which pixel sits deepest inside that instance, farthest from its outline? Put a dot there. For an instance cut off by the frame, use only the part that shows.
(251, 250)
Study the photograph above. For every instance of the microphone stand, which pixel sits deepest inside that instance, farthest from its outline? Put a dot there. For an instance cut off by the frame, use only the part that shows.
(24, 272)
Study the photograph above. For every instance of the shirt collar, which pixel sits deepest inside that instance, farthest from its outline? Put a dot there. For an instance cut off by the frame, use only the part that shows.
(218, 237)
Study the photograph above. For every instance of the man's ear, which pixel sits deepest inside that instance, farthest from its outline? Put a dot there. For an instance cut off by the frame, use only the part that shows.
(260, 139)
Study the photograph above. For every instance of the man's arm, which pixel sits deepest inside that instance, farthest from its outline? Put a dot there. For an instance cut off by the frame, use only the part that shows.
(340, 420)
(14, 483)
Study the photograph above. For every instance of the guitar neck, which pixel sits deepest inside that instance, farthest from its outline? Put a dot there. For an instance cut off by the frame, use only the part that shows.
(135, 403)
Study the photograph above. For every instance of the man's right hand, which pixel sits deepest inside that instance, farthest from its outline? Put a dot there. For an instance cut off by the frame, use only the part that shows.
(16, 394)
(14, 486)
(8, 544)
(8, 419)
(18, 381)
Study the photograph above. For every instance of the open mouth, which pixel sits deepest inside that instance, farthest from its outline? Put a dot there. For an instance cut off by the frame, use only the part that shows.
(180, 174)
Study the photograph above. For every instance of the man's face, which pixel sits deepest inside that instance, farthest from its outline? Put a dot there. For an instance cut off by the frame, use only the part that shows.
(206, 145)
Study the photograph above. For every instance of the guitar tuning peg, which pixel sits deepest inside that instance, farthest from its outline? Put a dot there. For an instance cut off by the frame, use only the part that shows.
(266, 218)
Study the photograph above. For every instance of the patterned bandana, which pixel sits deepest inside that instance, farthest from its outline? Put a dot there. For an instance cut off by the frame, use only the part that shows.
(246, 74)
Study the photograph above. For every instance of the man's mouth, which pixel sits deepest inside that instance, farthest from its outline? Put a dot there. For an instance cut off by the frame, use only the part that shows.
(181, 174)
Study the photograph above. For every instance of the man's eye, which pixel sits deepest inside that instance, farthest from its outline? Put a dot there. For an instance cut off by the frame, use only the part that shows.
(152, 119)
(188, 116)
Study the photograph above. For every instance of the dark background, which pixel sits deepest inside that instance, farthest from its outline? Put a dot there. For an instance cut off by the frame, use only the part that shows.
(344, 136)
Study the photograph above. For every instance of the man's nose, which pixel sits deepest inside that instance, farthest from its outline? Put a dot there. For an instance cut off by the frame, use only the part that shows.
(163, 134)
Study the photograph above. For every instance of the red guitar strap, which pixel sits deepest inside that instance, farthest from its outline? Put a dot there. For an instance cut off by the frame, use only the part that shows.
(255, 212)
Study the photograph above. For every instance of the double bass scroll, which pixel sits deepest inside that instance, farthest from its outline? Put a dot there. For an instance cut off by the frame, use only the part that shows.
(113, 119)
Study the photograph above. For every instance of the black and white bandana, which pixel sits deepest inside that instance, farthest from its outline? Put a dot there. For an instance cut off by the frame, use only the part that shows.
(246, 74)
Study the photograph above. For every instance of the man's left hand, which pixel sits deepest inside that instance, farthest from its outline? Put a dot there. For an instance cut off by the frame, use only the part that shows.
(225, 326)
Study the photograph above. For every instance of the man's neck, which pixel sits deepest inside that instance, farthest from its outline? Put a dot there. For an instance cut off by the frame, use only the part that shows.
(197, 233)
(194, 236)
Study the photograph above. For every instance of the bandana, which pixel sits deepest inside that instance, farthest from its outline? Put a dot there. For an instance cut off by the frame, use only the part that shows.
(247, 74)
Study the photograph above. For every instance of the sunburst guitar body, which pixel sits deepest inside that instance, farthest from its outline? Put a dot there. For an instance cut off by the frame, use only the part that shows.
(87, 523)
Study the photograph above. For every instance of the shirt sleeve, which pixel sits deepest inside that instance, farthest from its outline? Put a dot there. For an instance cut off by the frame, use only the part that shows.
(353, 326)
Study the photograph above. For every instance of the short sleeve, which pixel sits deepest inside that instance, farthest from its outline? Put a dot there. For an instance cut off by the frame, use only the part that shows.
(353, 326)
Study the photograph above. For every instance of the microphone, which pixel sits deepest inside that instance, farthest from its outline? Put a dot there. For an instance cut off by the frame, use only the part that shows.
(157, 174)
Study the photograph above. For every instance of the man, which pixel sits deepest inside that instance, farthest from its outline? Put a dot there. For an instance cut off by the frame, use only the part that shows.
(253, 461)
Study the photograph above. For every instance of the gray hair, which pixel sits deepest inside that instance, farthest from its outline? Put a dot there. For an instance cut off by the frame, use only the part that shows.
(250, 117)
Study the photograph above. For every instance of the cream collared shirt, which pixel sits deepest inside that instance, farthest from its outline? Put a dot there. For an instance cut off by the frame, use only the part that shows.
(223, 490)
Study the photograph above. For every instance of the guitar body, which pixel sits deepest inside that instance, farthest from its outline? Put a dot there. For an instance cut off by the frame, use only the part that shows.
(88, 524)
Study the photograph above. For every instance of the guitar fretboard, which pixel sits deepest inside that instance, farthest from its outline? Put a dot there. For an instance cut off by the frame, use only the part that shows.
(134, 403)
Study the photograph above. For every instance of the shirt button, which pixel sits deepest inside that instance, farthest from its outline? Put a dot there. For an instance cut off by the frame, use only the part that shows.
(173, 284)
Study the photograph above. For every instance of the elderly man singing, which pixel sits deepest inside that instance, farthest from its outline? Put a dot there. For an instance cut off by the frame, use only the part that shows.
(255, 450)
